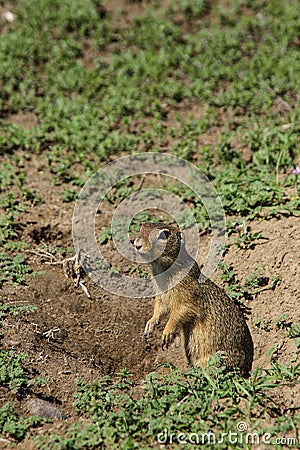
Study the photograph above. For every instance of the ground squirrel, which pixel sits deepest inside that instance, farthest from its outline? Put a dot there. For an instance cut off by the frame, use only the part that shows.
(206, 318)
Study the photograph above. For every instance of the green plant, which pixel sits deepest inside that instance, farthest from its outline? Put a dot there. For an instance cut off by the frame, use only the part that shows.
(15, 310)
(259, 283)
(105, 236)
(141, 272)
(13, 269)
(12, 374)
(193, 9)
(169, 404)
(262, 324)
(69, 195)
(282, 322)
(15, 377)
(294, 331)
(14, 426)
(114, 271)
(253, 284)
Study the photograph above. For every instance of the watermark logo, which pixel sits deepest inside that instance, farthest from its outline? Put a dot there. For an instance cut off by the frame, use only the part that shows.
(242, 435)
(242, 426)
(166, 167)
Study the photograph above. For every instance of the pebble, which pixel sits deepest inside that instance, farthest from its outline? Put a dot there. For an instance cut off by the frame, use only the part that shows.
(8, 16)
(42, 408)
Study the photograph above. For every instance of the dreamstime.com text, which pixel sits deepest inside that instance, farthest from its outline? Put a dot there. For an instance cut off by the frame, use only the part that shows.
(241, 436)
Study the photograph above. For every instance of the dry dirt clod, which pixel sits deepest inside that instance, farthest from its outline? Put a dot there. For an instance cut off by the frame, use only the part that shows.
(42, 408)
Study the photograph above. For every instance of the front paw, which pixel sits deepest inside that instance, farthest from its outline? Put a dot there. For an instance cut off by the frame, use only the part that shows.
(167, 339)
(149, 327)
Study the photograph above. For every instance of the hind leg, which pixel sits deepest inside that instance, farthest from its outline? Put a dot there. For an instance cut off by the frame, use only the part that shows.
(184, 335)
(201, 362)
(198, 346)
(192, 347)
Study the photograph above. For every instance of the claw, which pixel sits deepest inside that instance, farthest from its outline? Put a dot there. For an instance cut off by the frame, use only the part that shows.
(167, 339)
(165, 342)
(146, 334)
(149, 328)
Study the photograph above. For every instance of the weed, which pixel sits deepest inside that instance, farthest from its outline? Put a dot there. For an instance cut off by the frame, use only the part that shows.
(105, 236)
(294, 331)
(258, 282)
(69, 195)
(282, 322)
(16, 378)
(169, 404)
(14, 426)
(262, 324)
(193, 9)
(253, 284)
(146, 216)
(118, 228)
(15, 310)
(247, 240)
(297, 342)
(141, 272)
(13, 269)
(12, 375)
(114, 271)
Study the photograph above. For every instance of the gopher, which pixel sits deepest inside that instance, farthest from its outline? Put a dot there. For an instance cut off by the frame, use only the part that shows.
(206, 318)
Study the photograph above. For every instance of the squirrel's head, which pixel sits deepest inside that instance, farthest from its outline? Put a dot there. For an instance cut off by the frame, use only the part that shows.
(159, 243)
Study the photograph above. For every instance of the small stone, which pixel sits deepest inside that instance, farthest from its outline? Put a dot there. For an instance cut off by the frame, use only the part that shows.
(8, 16)
(42, 408)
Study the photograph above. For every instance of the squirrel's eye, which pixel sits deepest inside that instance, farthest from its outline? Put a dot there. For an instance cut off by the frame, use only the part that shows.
(163, 235)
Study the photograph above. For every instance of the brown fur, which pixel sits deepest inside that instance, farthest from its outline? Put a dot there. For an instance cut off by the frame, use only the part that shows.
(206, 318)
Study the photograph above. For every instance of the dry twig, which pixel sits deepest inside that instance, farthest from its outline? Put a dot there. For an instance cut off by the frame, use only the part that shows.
(72, 269)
